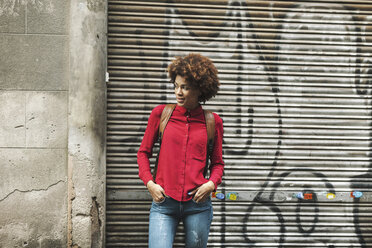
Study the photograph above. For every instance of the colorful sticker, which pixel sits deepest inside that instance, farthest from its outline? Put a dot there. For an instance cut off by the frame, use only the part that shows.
(356, 194)
(220, 196)
(300, 195)
(232, 196)
(331, 196)
(308, 196)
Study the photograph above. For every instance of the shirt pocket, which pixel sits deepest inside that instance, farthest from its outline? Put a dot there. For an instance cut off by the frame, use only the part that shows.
(198, 143)
(199, 152)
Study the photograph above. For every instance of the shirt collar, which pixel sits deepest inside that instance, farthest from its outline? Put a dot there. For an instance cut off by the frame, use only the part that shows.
(193, 112)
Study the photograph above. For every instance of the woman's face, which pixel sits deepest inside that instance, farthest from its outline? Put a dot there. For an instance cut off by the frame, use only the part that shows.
(186, 96)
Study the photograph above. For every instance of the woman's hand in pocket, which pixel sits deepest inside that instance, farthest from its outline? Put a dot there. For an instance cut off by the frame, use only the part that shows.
(202, 192)
(157, 192)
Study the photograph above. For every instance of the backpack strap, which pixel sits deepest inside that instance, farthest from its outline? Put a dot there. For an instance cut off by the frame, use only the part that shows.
(210, 124)
(164, 118)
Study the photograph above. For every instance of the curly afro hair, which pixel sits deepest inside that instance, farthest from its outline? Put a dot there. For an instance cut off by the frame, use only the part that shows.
(199, 71)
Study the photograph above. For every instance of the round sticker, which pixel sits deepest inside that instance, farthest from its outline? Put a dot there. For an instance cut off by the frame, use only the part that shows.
(220, 196)
(331, 196)
(357, 194)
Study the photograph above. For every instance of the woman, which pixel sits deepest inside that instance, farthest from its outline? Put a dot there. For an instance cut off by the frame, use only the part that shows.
(180, 192)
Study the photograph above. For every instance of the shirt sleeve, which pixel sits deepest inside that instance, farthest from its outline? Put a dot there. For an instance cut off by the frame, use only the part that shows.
(217, 164)
(145, 151)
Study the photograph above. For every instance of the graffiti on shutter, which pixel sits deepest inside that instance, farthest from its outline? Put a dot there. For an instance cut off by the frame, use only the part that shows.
(295, 99)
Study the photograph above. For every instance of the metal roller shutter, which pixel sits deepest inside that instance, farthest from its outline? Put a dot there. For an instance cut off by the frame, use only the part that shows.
(296, 104)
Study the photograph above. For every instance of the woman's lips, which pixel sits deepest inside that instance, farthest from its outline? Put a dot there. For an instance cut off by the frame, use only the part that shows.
(180, 100)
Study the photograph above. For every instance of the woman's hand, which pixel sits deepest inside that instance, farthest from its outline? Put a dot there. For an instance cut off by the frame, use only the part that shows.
(156, 191)
(201, 193)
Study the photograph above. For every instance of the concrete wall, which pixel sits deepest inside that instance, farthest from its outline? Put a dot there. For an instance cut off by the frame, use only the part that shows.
(87, 123)
(52, 123)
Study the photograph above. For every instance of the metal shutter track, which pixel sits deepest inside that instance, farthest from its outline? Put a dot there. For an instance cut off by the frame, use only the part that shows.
(296, 103)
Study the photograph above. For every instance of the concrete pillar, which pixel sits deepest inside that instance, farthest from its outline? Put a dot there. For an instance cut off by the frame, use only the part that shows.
(87, 123)
(34, 71)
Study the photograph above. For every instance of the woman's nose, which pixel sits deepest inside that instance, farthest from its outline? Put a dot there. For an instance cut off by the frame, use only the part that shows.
(178, 91)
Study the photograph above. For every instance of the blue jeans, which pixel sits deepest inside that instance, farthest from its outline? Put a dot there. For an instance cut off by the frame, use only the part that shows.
(165, 216)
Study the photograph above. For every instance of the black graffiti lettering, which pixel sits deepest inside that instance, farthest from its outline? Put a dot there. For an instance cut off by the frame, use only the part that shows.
(307, 231)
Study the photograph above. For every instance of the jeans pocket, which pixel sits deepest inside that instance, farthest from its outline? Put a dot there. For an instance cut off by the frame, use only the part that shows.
(162, 201)
(205, 201)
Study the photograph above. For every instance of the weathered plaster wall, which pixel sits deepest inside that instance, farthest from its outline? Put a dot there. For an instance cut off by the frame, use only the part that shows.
(34, 69)
(87, 118)
(52, 123)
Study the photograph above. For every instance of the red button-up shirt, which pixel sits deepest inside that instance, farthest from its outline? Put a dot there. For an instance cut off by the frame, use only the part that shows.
(183, 152)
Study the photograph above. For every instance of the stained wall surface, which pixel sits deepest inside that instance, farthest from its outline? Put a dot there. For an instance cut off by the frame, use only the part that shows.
(52, 123)
(296, 103)
(34, 70)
